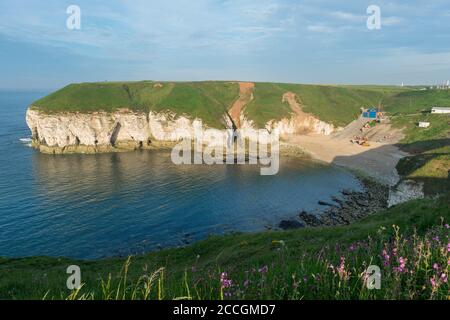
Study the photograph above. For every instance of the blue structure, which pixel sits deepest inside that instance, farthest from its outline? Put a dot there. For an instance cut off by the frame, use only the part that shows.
(370, 113)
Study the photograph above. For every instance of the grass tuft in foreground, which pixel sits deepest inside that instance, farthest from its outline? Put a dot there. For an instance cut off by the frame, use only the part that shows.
(412, 267)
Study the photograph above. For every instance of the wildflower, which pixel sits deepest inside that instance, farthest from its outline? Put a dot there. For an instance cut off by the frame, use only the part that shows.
(343, 274)
(246, 283)
(224, 281)
(436, 238)
(394, 252)
(436, 266)
(448, 247)
(402, 265)
(263, 270)
(352, 247)
(386, 258)
(331, 267)
(433, 282)
(447, 226)
(444, 278)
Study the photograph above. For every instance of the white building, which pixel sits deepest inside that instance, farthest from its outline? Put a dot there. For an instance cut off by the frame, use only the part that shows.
(424, 124)
(440, 110)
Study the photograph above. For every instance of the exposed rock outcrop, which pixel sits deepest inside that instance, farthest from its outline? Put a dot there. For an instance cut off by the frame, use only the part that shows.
(350, 207)
(404, 191)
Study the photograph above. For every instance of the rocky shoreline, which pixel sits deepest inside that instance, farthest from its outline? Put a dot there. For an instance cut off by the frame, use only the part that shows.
(344, 210)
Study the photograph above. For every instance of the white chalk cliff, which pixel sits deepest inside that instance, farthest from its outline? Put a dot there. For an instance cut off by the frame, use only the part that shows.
(66, 132)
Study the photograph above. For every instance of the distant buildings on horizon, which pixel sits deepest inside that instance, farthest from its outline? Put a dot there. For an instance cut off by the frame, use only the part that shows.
(444, 86)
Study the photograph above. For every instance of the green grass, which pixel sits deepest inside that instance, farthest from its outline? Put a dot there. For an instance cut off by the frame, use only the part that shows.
(415, 101)
(338, 105)
(206, 100)
(209, 100)
(267, 104)
(290, 257)
(430, 150)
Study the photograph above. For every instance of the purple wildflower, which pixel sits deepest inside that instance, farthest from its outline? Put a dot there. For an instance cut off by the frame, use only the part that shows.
(386, 258)
(394, 252)
(402, 265)
(224, 281)
(263, 270)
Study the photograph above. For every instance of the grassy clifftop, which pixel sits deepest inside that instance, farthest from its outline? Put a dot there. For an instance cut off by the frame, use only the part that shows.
(206, 100)
(338, 105)
(209, 100)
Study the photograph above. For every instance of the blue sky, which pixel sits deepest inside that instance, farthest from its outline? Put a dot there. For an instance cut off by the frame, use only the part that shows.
(313, 41)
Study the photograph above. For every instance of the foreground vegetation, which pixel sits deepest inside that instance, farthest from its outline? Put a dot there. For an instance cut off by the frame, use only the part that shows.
(408, 242)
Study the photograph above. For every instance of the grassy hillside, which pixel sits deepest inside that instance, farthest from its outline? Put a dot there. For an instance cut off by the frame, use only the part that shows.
(430, 150)
(416, 101)
(334, 104)
(267, 104)
(210, 99)
(207, 100)
(312, 263)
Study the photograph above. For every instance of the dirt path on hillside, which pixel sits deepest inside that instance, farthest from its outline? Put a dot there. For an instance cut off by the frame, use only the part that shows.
(291, 99)
(245, 96)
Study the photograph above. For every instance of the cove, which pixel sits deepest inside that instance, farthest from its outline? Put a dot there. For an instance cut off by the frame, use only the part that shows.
(105, 205)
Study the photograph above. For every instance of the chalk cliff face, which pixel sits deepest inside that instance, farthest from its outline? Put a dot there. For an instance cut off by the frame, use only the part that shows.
(67, 132)
(296, 124)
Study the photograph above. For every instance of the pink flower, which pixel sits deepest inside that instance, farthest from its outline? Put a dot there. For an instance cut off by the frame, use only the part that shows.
(343, 274)
(394, 252)
(433, 282)
(444, 278)
(436, 266)
(402, 265)
(264, 269)
(386, 258)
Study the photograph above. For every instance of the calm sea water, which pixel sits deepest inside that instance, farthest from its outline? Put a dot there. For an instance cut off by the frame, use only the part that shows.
(92, 206)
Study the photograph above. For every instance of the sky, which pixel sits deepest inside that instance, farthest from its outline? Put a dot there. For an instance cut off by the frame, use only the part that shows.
(311, 41)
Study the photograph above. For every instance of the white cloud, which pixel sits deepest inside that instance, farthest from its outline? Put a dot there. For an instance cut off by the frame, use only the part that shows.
(347, 16)
(321, 29)
(391, 21)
